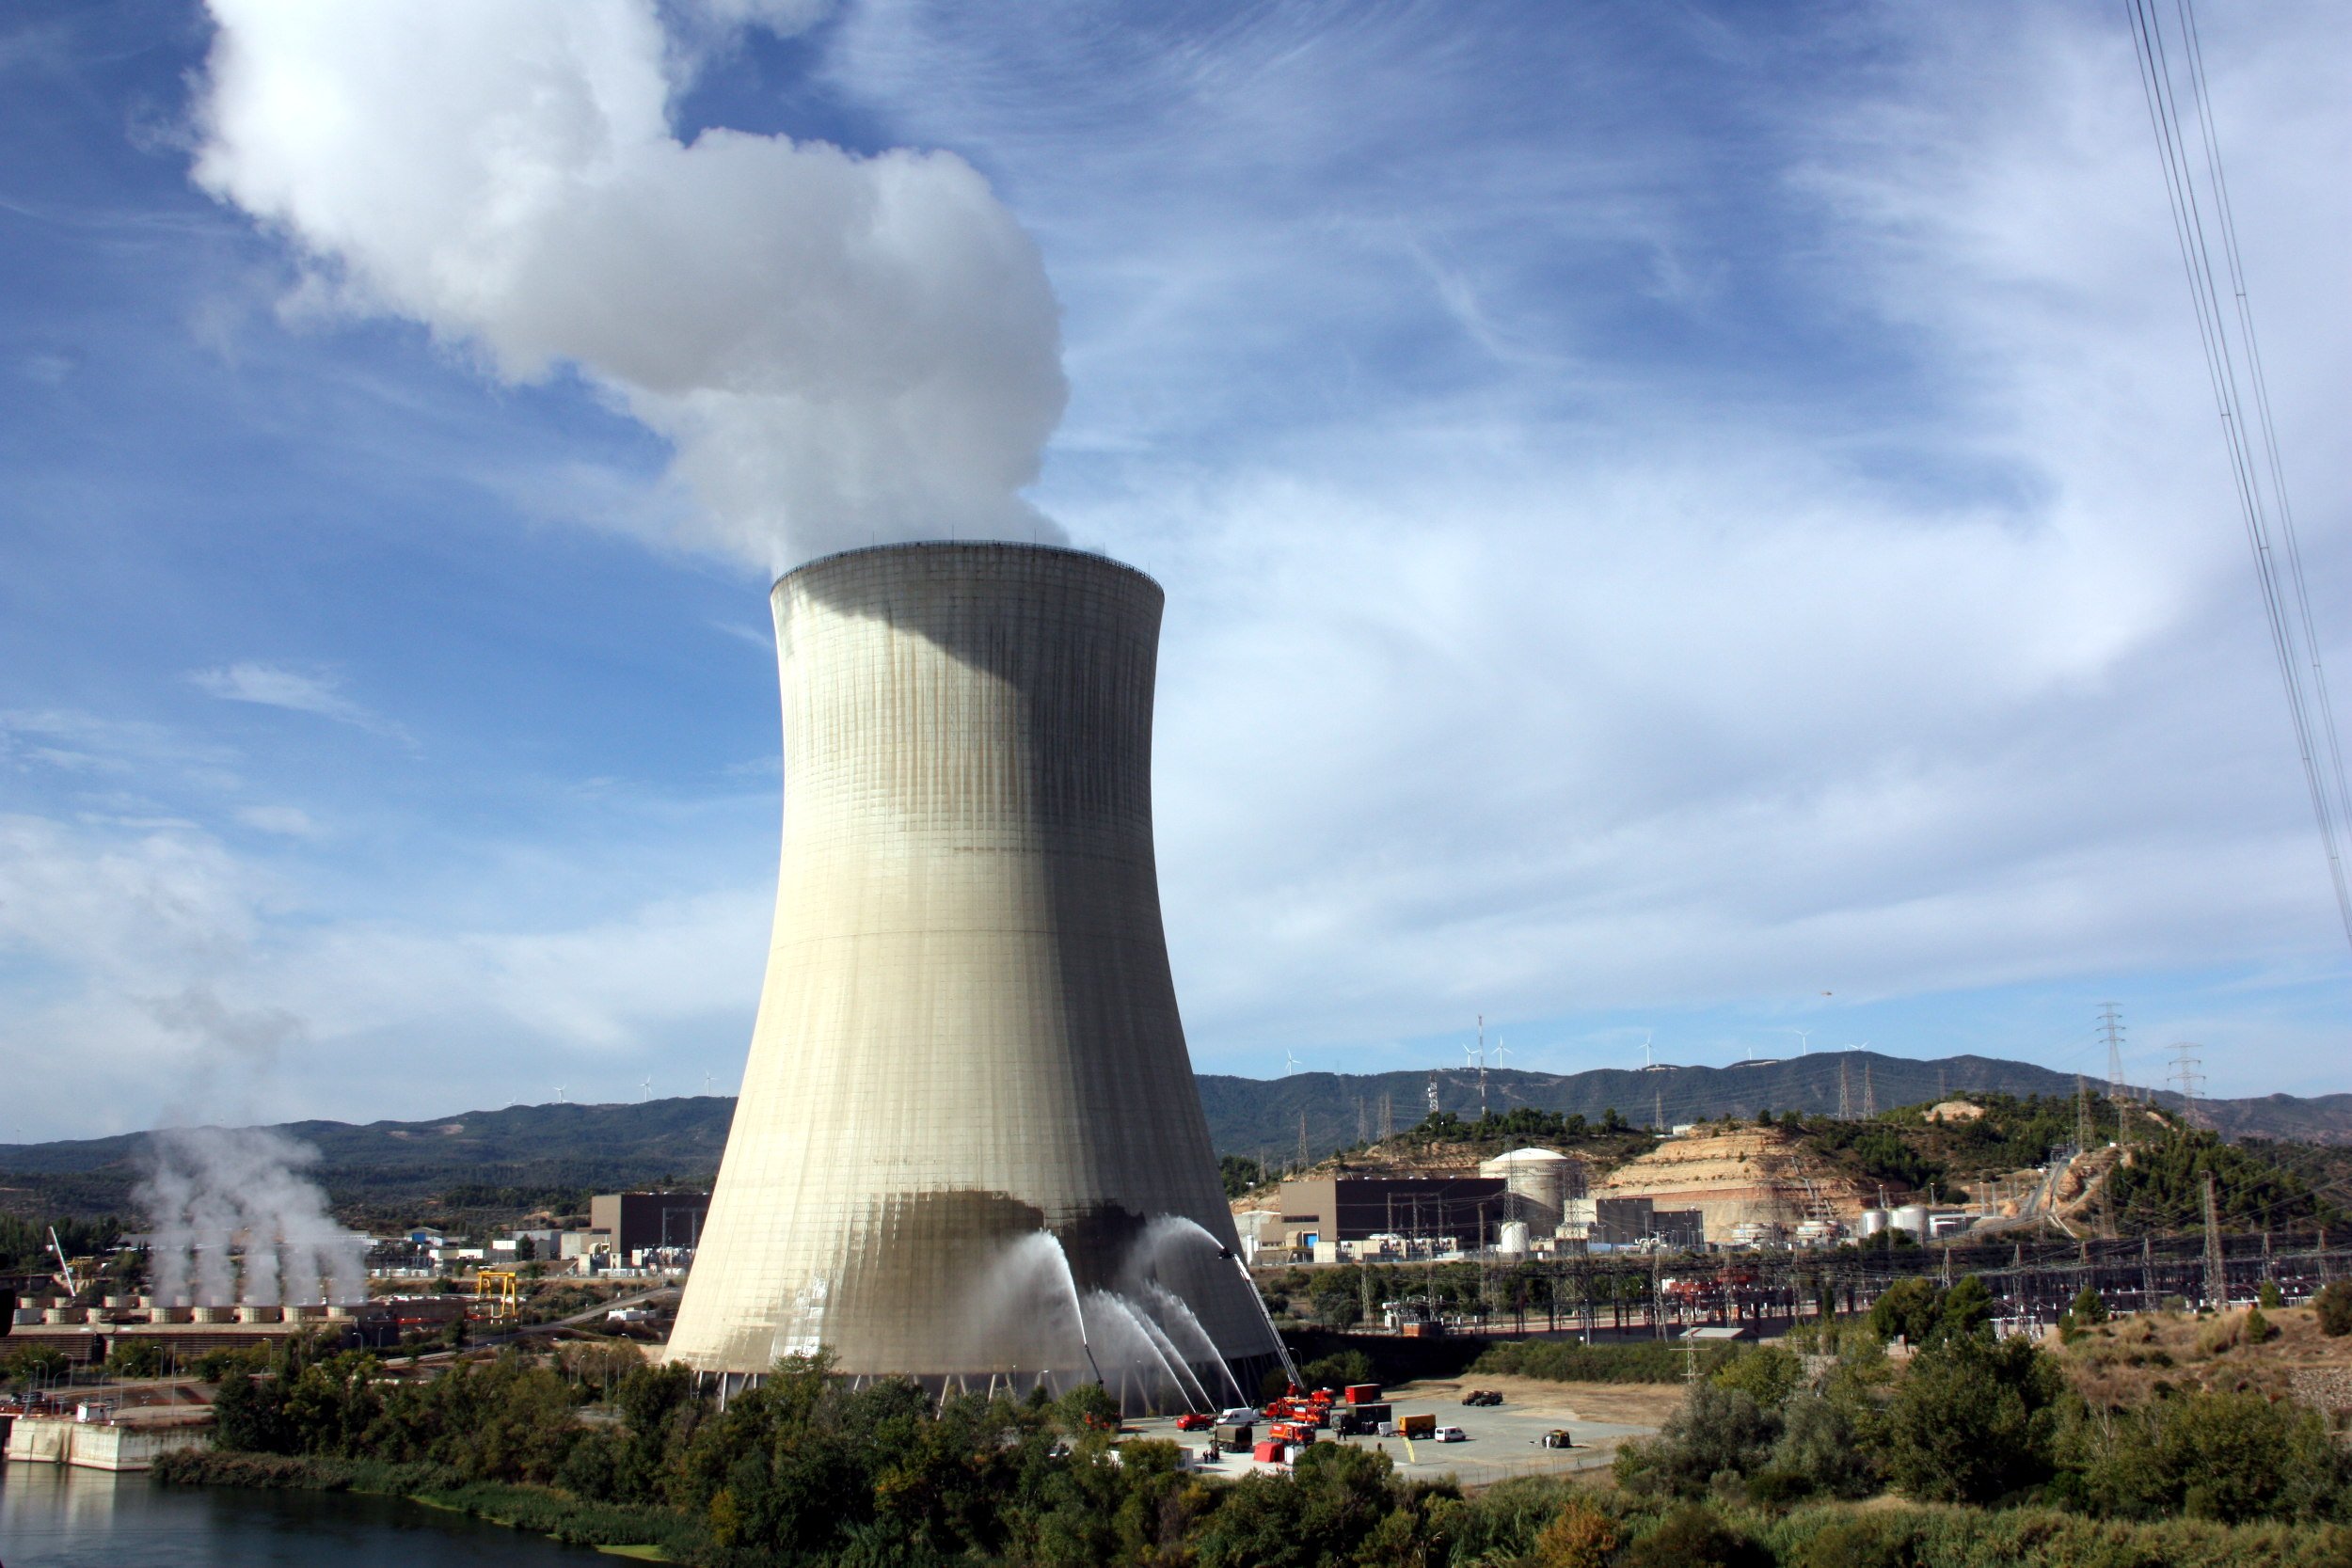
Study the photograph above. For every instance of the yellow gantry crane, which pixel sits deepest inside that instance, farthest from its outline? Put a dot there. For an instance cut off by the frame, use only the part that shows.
(502, 1289)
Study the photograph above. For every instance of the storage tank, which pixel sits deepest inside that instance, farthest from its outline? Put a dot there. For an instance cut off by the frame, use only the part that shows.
(969, 1148)
(1537, 1184)
(1912, 1217)
(1873, 1221)
(1514, 1239)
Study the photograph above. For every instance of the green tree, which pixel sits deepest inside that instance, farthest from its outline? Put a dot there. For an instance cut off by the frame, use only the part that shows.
(1717, 1432)
(2230, 1457)
(2334, 1307)
(135, 1358)
(1768, 1374)
(1973, 1420)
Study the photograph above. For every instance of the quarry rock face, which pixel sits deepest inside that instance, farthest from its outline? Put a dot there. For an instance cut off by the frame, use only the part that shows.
(1734, 1175)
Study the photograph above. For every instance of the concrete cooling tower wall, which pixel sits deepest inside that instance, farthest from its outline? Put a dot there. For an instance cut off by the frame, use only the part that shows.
(968, 1145)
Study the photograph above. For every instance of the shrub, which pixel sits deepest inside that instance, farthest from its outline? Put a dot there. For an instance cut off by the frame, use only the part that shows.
(2269, 1298)
(1717, 1432)
(2258, 1329)
(1581, 1536)
(1822, 1451)
(2334, 1305)
(1864, 1541)
(2227, 1457)
(1693, 1536)
(1338, 1370)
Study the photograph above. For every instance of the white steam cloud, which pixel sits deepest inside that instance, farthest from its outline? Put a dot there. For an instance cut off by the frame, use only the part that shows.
(234, 1218)
(235, 1222)
(840, 349)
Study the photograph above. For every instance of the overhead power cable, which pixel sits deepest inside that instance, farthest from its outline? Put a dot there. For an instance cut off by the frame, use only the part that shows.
(2203, 221)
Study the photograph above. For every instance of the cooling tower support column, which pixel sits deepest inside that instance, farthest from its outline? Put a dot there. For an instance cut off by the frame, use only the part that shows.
(968, 1136)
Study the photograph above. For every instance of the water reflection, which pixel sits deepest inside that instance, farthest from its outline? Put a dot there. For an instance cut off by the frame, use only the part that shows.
(56, 1517)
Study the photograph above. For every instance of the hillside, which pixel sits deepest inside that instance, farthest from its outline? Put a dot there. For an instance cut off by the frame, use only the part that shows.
(1248, 1115)
(529, 1156)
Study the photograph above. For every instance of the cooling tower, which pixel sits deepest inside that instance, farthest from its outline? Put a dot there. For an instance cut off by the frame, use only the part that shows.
(969, 1146)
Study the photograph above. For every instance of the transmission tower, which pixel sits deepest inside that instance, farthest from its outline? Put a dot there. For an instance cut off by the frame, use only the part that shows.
(1387, 1118)
(2082, 1114)
(1302, 1140)
(1482, 1066)
(1363, 1130)
(1870, 1095)
(2185, 1074)
(2217, 1282)
(1432, 1094)
(1845, 1093)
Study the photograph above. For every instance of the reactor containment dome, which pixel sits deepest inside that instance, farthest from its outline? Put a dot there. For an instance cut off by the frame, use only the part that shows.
(969, 1148)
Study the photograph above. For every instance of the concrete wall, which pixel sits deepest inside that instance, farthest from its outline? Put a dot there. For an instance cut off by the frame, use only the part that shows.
(100, 1445)
(968, 1033)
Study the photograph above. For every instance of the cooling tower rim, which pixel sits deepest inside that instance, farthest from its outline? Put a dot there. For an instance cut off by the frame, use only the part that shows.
(1009, 546)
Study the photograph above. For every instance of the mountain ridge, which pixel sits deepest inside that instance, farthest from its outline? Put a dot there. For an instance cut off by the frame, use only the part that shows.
(569, 1146)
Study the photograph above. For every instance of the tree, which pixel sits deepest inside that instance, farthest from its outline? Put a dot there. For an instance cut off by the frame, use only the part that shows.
(2334, 1307)
(138, 1357)
(2230, 1457)
(1905, 1310)
(1768, 1374)
(1717, 1432)
(1973, 1420)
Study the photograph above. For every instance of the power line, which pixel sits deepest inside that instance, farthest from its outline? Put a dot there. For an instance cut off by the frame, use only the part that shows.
(2261, 481)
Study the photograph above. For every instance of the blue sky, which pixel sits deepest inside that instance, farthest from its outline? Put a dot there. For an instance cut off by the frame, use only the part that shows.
(1700, 521)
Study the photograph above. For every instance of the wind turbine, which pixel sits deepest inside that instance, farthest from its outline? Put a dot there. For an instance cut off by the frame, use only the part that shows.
(1804, 1040)
(644, 1091)
(1290, 1063)
(559, 1094)
(1647, 1060)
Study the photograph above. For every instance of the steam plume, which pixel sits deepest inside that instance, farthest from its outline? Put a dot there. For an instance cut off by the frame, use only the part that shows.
(212, 1189)
(839, 348)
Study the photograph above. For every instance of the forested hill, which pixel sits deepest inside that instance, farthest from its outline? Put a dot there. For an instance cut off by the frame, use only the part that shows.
(1248, 1115)
(531, 1155)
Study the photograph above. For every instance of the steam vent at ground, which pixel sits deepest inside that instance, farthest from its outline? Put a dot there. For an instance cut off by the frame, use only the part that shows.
(968, 1147)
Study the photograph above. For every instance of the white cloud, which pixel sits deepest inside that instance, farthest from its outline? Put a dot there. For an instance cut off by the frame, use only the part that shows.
(839, 348)
(287, 821)
(296, 690)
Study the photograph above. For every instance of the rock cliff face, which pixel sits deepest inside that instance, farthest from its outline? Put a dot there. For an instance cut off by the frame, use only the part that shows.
(1734, 1175)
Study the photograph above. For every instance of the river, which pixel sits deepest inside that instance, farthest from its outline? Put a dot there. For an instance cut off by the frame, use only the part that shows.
(51, 1517)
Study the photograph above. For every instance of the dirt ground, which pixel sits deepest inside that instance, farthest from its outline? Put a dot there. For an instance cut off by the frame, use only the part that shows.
(2132, 1360)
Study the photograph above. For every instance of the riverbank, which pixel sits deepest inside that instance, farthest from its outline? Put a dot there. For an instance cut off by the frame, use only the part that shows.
(649, 1534)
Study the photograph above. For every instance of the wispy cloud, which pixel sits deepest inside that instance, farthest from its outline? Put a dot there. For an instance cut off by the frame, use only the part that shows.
(287, 821)
(297, 691)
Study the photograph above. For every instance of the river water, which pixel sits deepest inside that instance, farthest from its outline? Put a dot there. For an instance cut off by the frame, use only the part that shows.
(51, 1517)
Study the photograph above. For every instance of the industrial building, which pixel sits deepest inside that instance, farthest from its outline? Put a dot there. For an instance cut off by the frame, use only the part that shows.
(969, 1147)
(631, 1224)
(1461, 1211)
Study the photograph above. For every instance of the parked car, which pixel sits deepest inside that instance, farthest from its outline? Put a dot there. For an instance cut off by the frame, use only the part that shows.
(1192, 1420)
(1481, 1396)
(1451, 1435)
(1557, 1438)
